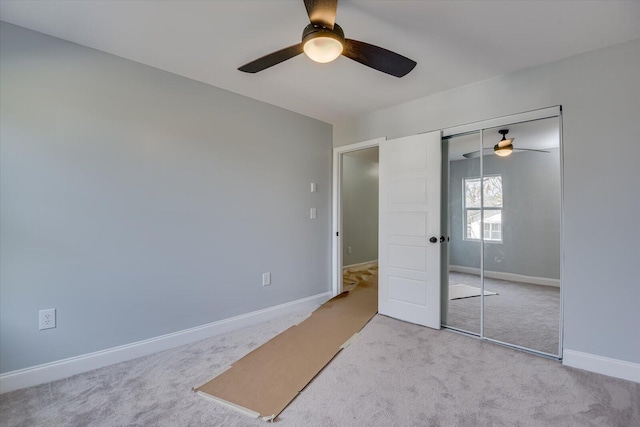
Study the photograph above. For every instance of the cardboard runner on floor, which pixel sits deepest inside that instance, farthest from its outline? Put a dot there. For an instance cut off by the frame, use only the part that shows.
(265, 381)
(462, 291)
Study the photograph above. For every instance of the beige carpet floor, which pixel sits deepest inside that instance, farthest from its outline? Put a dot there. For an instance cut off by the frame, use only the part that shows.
(393, 373)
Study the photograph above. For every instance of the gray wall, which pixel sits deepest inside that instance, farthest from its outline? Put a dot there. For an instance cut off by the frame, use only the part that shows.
(530, 215)
(140, 203)
(359, 210)
(600, 95)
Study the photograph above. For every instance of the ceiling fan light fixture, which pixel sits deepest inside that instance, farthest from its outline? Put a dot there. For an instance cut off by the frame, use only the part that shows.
(503, 151)
(322, 44)
(504, 147)
(323, 49)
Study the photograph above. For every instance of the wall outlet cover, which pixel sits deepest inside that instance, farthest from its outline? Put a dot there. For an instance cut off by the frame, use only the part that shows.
(47, 318)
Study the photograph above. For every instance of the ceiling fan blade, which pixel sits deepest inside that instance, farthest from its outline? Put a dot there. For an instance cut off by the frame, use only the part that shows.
(475, 154)
(505, 142)
(530, 149)
(378, 58)
(322, 11)
(272, 59)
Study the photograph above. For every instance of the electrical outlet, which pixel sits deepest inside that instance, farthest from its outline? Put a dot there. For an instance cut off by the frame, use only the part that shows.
(348, 249)
(266, 279)
(47, 318)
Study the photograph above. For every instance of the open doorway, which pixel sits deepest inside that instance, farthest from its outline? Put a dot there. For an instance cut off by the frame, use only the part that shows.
(359, 201)
(355, 215)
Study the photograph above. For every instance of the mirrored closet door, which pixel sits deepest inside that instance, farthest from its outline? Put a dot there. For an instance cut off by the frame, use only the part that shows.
(504, 210)
(463, 305)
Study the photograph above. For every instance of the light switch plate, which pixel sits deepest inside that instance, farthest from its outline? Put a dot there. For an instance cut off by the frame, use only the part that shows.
(313, 187)
(313, 213)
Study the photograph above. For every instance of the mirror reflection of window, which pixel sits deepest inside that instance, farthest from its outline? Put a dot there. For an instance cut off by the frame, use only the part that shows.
(492, 227)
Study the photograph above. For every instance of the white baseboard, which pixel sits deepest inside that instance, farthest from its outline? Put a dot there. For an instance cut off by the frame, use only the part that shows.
(602, 365)
(545, 281)
(59, 369)
(359, 264)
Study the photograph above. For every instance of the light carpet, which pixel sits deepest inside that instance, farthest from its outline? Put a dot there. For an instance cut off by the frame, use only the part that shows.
(393, 373)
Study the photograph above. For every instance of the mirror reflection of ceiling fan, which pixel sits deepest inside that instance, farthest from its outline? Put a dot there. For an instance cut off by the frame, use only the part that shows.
(323, 41)
(503, 148)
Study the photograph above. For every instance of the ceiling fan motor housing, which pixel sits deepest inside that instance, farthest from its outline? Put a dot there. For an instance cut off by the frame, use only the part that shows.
(313, 31)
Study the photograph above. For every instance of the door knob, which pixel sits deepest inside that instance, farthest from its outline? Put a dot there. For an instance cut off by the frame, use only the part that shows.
(442, 239)
(433, 239)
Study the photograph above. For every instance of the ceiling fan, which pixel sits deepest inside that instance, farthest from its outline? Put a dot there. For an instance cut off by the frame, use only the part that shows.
(323, 41)
(503, 148)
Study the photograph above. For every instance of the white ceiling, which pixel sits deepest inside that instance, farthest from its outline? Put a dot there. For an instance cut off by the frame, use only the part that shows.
(454, 42)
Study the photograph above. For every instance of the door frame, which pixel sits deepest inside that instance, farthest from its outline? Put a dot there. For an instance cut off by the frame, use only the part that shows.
(336, 223)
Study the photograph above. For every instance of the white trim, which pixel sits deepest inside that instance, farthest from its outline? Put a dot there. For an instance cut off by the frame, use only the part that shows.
(336, 245)
(527, 116)
(59, 369)
(359, 264)
(602, 365)
(545, 281)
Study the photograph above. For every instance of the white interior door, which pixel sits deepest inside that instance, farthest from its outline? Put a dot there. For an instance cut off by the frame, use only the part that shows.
(409, 263)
